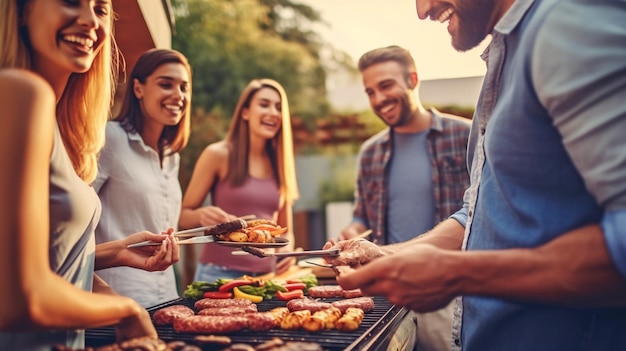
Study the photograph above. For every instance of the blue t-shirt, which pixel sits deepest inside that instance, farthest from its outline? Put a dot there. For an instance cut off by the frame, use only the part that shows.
(411, 209)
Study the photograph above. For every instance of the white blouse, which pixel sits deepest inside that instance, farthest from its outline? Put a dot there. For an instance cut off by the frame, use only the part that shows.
(137, 195)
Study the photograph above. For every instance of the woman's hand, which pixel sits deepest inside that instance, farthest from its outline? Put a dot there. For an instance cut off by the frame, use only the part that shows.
(135, 327)
(210, 215)
(150, 258)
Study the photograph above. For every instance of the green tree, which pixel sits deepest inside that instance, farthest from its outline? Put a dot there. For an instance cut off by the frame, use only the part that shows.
(228, 43)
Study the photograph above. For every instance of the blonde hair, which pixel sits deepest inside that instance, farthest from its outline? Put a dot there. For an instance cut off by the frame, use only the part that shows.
(279, 149)
(83, 109)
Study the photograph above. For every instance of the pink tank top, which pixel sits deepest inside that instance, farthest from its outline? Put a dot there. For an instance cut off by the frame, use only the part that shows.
(256, 196)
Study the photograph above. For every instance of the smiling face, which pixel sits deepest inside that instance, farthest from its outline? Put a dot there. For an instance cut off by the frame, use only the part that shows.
(264, 113)
(389, 94)
(65, 36)
(164, 95)
(469, 21)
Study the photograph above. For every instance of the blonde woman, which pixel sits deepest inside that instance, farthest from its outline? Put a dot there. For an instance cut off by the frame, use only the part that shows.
(56, 80)
(251, 171)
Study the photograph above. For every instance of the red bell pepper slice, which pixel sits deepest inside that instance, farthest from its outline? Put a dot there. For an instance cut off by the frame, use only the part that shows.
(234, 283)
(218, 295)
(294, 286)
(290, 295)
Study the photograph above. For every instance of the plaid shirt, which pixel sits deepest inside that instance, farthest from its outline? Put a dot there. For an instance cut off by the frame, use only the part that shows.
(447, 148)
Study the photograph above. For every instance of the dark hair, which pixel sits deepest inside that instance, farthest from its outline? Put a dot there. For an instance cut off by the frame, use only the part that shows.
(390, 53)
(130, 115)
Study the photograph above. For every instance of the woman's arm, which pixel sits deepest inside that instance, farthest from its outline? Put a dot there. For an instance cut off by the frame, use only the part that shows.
(210, 167)
(150, 258)
(31, 295)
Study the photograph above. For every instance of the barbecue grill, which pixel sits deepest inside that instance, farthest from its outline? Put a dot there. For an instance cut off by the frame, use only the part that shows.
(375, 332)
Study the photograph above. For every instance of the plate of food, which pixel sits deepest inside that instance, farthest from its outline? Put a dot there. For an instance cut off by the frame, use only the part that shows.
(261, 233)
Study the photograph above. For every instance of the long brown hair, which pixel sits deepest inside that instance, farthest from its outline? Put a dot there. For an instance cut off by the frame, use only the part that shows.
(83, 108)
(175, 137)
(279, 149)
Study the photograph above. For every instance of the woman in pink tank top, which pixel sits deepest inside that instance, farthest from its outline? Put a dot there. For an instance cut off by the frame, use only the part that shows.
(251, 171)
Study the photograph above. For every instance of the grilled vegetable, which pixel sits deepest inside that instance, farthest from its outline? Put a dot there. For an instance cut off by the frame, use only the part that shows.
(241, 295)
(233, 283)
(217, 295)
(290, 295)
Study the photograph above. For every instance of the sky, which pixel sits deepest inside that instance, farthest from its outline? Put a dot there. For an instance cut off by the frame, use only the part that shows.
(356, 26)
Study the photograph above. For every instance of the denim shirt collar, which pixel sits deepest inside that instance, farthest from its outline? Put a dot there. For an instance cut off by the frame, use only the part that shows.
(513, 16)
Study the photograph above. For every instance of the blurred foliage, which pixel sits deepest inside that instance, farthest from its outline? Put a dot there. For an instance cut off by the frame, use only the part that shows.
(463, 111)
(229, 43)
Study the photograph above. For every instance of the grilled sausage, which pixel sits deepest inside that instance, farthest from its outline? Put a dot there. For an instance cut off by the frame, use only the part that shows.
(262, 321)
(307, 304)
(212, 303)
(210, 324)
(326, 291)
(228, 311)
(167, 315)
(364, 303)
(350, 294)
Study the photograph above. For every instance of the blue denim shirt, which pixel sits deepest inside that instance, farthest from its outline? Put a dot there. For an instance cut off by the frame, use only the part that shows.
(547, 153)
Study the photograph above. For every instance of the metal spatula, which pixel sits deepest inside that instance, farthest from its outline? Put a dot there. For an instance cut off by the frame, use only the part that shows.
(247, 250)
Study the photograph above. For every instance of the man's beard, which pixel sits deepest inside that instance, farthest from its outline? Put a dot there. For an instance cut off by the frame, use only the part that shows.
(473, 17)
(405, 115)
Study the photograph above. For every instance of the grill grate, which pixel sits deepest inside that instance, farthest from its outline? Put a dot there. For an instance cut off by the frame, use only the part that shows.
(375, 323)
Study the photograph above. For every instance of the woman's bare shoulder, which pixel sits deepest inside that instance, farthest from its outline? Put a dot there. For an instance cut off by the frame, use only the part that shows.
(216, 151)
(23, 85)
(26, 96)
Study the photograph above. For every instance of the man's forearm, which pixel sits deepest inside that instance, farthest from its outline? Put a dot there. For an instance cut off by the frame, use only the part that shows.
(572, 270)
(446, 235)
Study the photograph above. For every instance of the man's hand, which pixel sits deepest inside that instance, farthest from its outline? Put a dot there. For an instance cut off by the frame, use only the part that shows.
(353, 252)
(418, 278)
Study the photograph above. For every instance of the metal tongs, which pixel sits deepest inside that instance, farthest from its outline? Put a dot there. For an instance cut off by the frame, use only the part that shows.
(192, 240)
(248, 250)
(191, 236)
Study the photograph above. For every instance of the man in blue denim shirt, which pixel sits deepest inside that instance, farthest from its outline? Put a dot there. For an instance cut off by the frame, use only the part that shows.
(542, 232)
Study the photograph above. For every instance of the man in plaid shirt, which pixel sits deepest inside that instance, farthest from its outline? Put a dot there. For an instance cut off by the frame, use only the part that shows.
(411, 175)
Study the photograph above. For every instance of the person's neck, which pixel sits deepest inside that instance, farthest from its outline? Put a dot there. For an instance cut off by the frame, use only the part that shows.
(57, 81)
(257, 146)
(502, 7)
(420, 121)
(151, 134)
